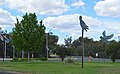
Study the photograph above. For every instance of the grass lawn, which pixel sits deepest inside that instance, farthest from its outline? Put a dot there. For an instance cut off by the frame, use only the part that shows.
(61, 68)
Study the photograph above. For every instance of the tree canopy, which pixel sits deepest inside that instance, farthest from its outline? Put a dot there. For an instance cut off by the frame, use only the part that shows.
(113, 50)
(28, 34)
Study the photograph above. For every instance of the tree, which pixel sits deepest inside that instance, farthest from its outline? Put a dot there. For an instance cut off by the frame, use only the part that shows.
(68, 44)
(113, 50)
(77, 45)
(61, 51)
(52, 41)
(28, 34)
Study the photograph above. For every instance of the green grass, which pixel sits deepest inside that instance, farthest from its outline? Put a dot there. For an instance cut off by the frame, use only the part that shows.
(61, 68)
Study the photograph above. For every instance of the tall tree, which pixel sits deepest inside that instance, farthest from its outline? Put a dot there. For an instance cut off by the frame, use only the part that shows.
(52, 42)
(113, 50)
(28, 34)
(61, 51)
(68, 44)
(68, 41)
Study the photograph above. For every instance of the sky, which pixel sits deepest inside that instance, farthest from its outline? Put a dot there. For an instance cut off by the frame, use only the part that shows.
(62, 16)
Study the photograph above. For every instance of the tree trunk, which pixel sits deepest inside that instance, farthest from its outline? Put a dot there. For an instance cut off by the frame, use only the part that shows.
(13, 51)
(113, 60)
(62, 58)
(22, 54)
(28, 56)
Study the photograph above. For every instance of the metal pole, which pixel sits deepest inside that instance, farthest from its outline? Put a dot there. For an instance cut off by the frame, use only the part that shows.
(13, 51)
(5, 51)
(104, 51)
(82, 47)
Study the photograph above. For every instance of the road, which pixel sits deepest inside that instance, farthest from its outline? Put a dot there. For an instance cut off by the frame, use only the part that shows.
(1, 72)
(6, 73)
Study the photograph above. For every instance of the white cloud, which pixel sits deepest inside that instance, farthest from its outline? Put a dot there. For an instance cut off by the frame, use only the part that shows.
(62, 22)
(1, 2)
(6, 19)
(70, 24)
(78, 3)
(108, 8)
(42, 7)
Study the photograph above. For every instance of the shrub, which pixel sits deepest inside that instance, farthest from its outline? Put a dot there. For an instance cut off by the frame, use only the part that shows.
(26, 59)
(14, 59)
(19, 60)
(23, 59)
(43, 59)
(69, 61)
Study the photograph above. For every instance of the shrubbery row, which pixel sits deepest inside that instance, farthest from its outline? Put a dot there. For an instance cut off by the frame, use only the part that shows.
(26, 59)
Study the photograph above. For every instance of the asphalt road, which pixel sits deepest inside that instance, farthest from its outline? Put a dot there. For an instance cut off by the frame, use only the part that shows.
(6, 73)
(2, 72)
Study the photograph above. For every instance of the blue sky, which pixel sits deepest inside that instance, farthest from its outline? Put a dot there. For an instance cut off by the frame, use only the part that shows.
(99, 15)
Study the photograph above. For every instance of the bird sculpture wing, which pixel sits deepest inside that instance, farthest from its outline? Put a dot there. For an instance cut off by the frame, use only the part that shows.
(110, 36)
(1, 37)
(6, 39)
(83, 24)
(104, 34)
(102, 38)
